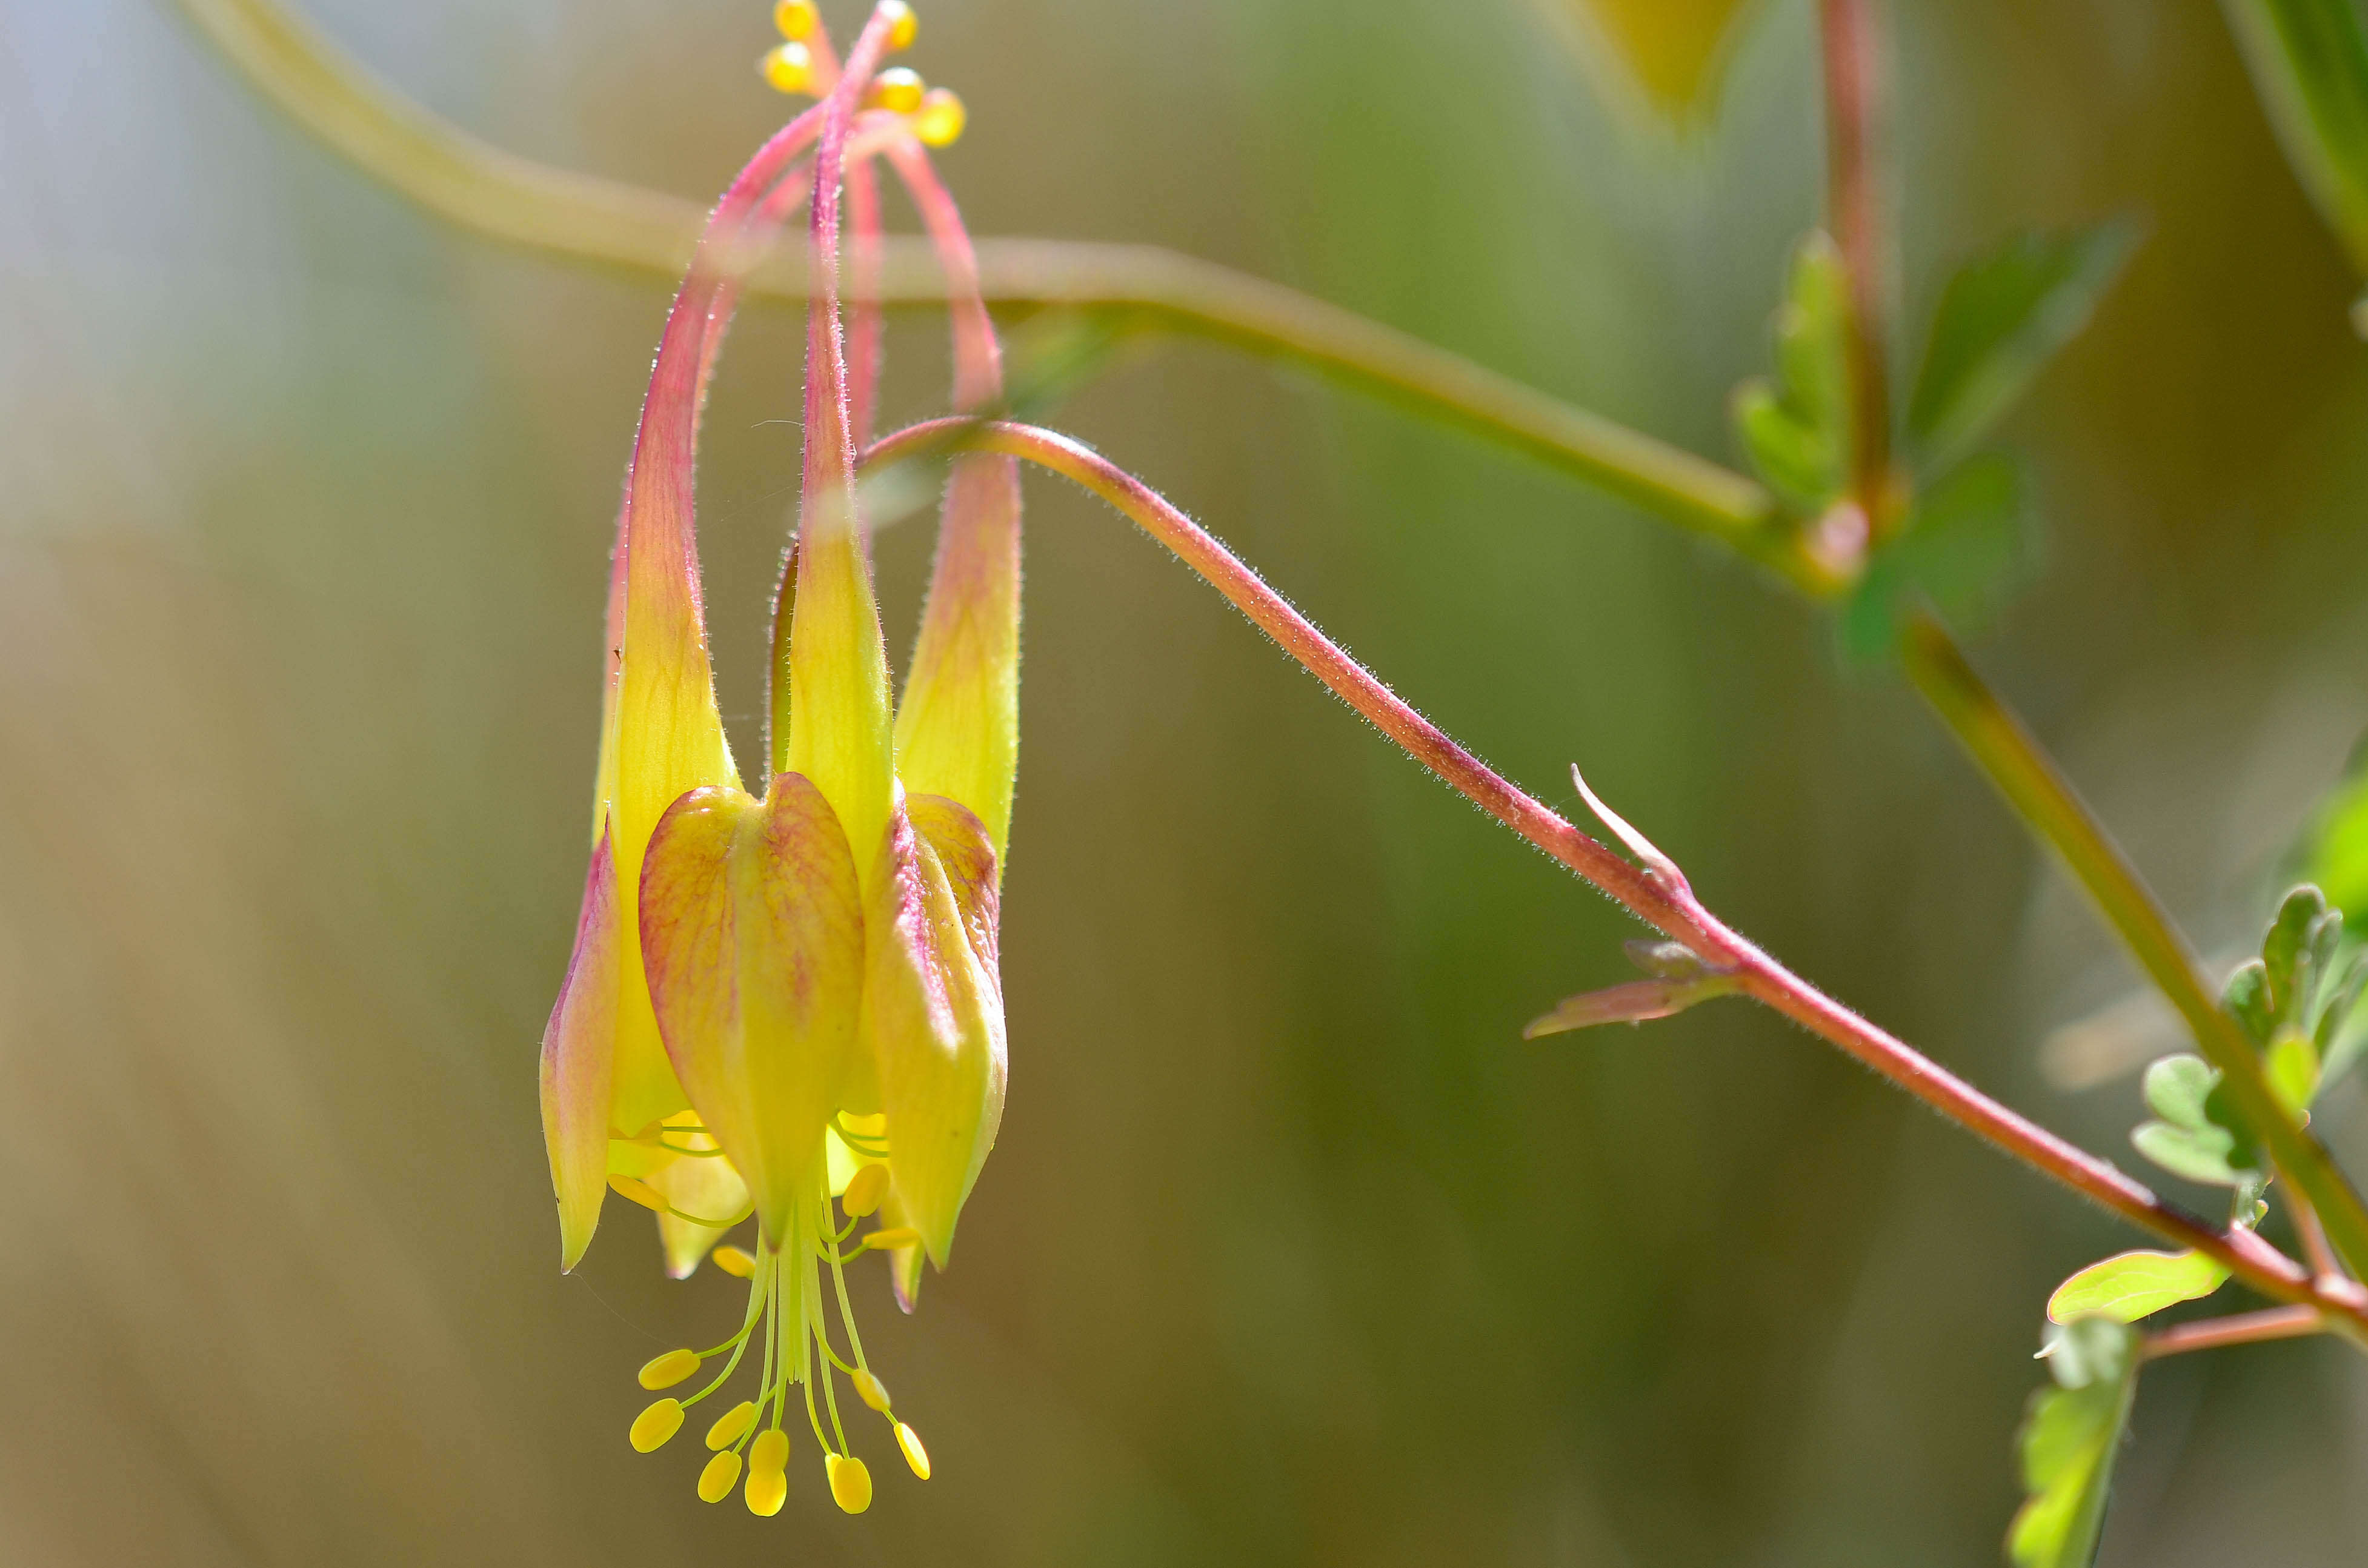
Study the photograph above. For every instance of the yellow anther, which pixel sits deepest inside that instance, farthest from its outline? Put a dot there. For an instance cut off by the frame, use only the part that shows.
(795, 18)
(850, 1484)
(734, 1261)
(664, 1371)
(871, 1390)
(770, 1450)
(730, 1426)
(653, 1426)
(788, 68)
(897, 90)
(902, 23)
(864, 1190)
(715, 1480)
(892, 1238)
(765, 1492)
(915, 1455)
(938, 121)
(640, 1192)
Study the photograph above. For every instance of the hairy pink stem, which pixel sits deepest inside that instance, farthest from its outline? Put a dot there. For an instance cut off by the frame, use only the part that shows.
(864, 321)
(659, 481)
(830, 449)
(1660, 900)
(978, 358)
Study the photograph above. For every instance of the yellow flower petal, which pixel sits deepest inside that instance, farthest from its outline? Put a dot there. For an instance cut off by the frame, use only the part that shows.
(752, 932)
(578, 1061)
(934, 1010)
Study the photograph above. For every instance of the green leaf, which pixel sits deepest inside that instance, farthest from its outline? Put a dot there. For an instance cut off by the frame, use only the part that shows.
(2202, 1156)
(2335, 853)
(2292, 1068)
(2000, 319)
(2131, 1285)
(2176, 1087)
(2292, 949)
(2196, 1136)
(1795, 428)
(1963, 549)
(2309, 61)
(2246, 998)
(2068, 1442)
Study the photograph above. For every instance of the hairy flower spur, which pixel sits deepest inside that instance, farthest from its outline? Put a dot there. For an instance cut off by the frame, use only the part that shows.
(789, 1005)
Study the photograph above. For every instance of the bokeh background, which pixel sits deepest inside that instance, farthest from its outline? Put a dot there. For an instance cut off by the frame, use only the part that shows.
(1293, 1251)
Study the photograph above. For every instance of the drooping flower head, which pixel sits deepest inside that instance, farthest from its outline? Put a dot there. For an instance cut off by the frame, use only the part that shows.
(791, 1004)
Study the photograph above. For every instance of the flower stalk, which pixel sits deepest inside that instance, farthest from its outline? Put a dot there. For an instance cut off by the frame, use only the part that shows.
(1661, 900)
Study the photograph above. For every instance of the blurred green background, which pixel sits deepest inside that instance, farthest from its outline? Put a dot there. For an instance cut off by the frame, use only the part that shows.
(1292, 1250)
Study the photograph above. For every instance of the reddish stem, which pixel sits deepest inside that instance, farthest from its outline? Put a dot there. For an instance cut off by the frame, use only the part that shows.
(1854, 105)
(2241, 1328)
(1661, 902)
(863, 318)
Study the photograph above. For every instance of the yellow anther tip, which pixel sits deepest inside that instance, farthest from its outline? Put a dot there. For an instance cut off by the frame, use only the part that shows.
(715, 1481)
(735, 1262)
(795, 18)
(873, 1391)
(788, 68)
(664, 1371)
(765, 1492)
(729, 1426)
(902, 23)
(940, 119)
(850, 1484)
(893, 1237)
(897, 90)
(771, 1451)
(653, 1426)
(864, 1190)
(915, 1455)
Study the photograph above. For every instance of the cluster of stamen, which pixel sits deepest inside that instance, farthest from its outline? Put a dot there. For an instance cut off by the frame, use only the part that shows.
(802, 63)
(788, 1317)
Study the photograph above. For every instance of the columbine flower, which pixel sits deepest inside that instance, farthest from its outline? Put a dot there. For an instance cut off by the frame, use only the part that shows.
(791, 1004)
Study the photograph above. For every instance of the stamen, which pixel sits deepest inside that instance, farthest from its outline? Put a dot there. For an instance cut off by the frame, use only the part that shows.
(851, 1482)
(735, 1262)
(664, 1371)
(915, 1455)
(653, 1426)
(788, 68)
(865, 1188)
(897, 90)
(870, 1390)
(765, 1492)
(902, 24)
(731, 1426)
(715, 1481)
(940, 119)
(795, 18)
(891, 1238)
(770, 1450)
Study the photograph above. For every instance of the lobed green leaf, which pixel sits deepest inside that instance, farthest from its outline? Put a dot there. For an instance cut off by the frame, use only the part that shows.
(2068, 1441)
(2001, 317)
(1794, 429)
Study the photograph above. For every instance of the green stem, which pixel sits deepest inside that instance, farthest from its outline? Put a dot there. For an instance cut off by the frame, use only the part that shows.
(2013, 759)
(466, 181)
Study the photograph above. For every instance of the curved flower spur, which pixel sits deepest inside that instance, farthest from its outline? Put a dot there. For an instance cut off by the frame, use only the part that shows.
(790, 1006)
